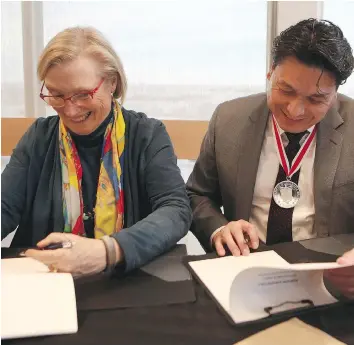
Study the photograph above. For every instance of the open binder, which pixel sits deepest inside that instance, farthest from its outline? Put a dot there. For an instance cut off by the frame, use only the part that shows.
(263, 285)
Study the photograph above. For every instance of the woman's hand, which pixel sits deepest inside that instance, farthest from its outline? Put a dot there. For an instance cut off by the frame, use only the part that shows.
(86, 256)
(343, 278)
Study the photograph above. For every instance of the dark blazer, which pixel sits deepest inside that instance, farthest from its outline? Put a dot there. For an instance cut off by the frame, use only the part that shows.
(226, 170)
(157, 211)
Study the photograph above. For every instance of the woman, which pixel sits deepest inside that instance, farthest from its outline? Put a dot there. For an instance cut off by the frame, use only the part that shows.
(98, 178)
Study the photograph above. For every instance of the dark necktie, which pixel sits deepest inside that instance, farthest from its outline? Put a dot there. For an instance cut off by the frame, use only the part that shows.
(279, 228)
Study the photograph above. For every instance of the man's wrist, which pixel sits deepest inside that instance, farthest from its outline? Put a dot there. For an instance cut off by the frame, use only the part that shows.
(214, 233)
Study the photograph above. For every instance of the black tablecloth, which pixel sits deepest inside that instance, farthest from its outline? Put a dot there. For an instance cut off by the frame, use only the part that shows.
(191, 323)
(199, 322)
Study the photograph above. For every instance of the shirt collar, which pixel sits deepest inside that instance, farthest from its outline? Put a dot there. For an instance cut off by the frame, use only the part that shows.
(281, 131)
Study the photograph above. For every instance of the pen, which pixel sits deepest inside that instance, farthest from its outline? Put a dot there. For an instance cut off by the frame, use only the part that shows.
(67, 244)
(59, 245)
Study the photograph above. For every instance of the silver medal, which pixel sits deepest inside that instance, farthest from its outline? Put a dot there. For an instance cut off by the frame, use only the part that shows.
(286, 194)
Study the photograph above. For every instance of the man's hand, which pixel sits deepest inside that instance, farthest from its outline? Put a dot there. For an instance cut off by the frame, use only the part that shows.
(343, 278)
(239, 236)
(86, 256)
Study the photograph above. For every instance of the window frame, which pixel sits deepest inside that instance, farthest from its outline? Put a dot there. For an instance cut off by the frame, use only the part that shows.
(280, 15)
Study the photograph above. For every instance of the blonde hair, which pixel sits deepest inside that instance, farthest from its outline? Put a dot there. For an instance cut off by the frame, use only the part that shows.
(70, 43)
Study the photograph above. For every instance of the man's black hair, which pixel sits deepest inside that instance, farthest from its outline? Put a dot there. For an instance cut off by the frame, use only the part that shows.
(318, 43)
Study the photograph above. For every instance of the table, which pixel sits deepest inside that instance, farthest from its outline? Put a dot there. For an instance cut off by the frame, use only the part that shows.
(199, 322)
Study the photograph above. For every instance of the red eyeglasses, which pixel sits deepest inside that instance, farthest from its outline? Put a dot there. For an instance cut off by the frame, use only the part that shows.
(78, 99)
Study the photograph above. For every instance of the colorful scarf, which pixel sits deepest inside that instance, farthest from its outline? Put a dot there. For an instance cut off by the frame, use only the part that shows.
(109, 209)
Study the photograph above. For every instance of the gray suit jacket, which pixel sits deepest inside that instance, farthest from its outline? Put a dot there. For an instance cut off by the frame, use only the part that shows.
(226, 170)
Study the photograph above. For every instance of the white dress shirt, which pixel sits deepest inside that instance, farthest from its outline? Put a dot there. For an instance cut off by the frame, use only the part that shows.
(304, 210)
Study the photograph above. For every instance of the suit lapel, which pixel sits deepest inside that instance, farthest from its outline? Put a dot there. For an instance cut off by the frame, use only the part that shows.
(328, 148)
(252, 139)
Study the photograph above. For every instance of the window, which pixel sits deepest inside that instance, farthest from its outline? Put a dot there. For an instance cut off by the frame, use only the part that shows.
(181, 58)
(12, 83)
(341, 14)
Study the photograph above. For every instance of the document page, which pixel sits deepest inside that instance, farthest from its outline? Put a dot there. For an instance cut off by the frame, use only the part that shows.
(35, 302)
(275, 290)
(22, 265)
(218, 274)
(262, 284)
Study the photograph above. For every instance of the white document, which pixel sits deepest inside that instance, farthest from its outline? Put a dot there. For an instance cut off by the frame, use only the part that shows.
(35, 302)
(253, 287)
(22, 265)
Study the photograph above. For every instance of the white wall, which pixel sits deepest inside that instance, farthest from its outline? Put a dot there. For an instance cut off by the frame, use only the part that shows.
(291, 12)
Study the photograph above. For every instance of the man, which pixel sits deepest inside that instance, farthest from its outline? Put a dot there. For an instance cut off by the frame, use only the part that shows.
(281, 163)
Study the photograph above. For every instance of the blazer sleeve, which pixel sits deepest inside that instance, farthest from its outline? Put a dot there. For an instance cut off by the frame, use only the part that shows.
(14, 183)
(171, 214)
(204, 191)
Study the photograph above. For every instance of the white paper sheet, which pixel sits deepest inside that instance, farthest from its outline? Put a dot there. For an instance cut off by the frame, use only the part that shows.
(35, 302)
(245, 285)
(22, 265)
